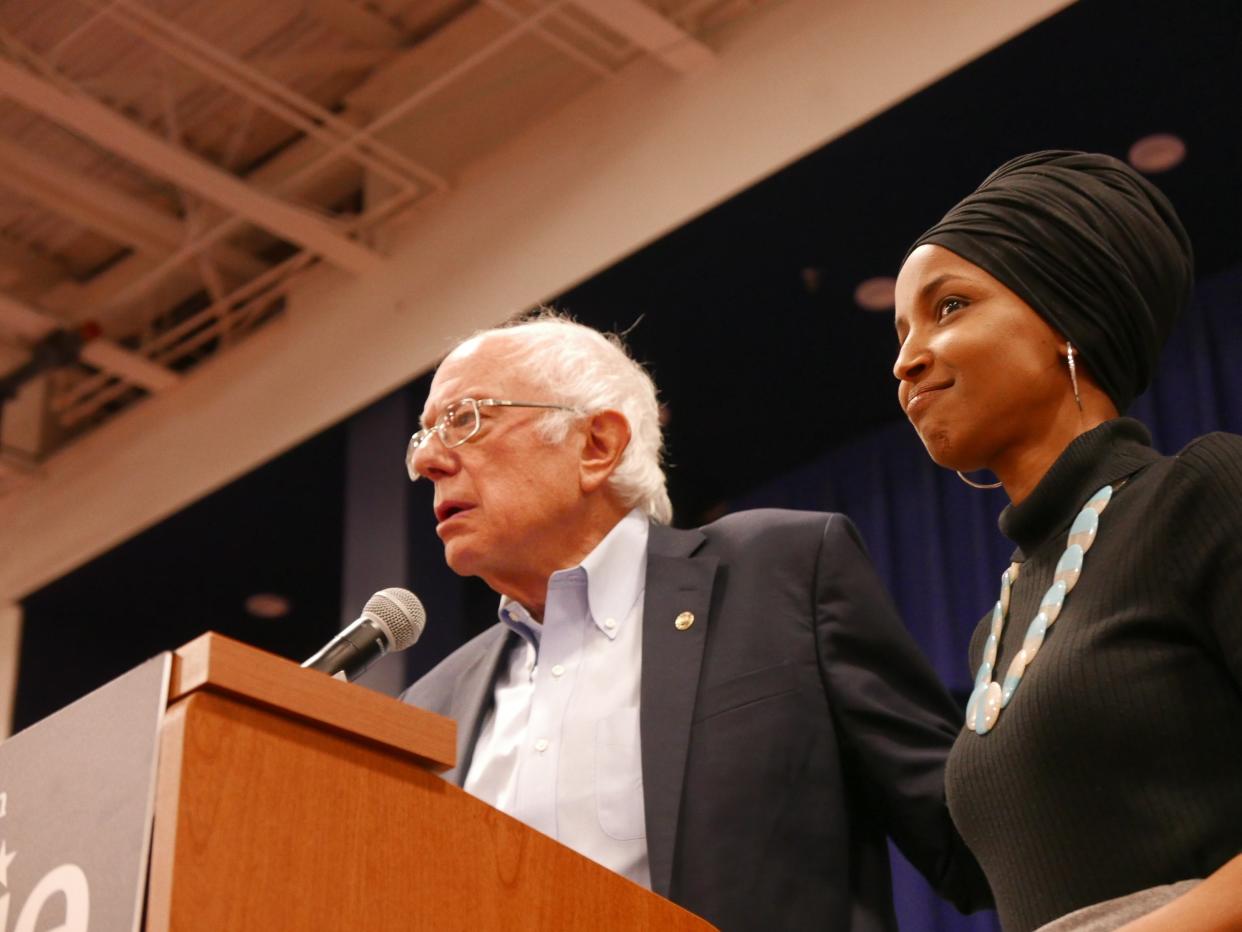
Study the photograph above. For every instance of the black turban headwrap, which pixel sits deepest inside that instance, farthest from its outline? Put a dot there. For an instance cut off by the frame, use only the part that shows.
(1092, 246)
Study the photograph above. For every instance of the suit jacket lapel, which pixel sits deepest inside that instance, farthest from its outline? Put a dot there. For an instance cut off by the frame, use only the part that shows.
(676, 582)
(471, 700)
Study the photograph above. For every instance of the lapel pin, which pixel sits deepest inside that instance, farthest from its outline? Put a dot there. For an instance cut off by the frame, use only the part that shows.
(683, 621)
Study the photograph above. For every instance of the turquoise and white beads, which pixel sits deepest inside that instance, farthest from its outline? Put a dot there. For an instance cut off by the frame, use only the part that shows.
(989, 697)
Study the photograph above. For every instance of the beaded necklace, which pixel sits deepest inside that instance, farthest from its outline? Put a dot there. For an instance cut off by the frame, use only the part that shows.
(989, 697)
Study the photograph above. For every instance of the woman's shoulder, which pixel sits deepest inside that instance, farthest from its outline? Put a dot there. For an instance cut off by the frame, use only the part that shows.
(1206, 474)
(1214, 457)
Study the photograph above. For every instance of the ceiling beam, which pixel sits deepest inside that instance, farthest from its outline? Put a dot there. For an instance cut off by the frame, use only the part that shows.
(118, 134)
(651, 32)
(103, 208)
(133, 368)
(32, 325)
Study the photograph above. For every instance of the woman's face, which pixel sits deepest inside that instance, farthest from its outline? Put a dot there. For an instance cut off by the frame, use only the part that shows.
(982, 376)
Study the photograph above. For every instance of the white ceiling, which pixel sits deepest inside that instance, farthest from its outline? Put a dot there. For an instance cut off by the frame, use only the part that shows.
(263, 217)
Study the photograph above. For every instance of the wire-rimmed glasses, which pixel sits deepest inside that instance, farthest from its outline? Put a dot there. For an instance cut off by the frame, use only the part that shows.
(461, 421)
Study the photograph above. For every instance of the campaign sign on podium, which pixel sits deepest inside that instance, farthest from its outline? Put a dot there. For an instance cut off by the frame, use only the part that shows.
(76, 806)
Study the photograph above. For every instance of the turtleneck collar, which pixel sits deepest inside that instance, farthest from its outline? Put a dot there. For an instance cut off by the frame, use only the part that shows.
(1103, 455)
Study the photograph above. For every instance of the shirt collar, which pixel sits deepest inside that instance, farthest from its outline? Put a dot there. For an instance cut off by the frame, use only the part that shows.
(615, 574)
(517, 619)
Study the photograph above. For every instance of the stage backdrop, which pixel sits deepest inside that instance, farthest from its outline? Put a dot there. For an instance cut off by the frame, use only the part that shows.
(935, 540)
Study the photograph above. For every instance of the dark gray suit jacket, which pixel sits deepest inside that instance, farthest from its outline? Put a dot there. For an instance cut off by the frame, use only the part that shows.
(784, 734)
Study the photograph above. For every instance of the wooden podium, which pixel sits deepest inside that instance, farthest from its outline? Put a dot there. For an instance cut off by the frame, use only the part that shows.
(289, 800)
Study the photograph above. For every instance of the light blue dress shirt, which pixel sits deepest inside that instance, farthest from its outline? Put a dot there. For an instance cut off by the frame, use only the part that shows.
(560, 747)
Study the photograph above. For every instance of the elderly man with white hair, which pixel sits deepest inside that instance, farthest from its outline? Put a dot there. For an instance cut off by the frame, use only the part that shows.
(732, 716)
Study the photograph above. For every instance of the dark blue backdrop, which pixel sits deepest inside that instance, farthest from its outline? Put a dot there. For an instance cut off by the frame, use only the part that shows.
(935, 542)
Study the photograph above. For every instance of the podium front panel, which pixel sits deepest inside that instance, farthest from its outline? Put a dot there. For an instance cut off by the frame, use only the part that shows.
(269, 821)
(76, 793)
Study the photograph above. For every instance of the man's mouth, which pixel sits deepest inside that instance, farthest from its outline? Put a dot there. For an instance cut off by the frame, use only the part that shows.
(448, 509)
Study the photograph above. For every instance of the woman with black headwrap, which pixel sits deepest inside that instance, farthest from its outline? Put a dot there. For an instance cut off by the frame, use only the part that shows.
(1098, 777)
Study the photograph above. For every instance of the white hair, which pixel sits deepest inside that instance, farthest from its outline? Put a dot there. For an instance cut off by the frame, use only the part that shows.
(592, 372)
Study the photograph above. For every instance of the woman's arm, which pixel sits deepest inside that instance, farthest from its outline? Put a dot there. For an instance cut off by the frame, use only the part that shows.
(1213, 906)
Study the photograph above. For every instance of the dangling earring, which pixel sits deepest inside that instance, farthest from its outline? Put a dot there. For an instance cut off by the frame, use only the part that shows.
(1069, 356)
(978, 485)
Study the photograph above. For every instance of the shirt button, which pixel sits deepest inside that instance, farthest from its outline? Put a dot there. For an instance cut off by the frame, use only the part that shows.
(541, 744)
(558, 670)
(610, 623)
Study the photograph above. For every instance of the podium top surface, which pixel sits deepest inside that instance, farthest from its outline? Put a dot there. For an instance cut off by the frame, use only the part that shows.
(222, 665)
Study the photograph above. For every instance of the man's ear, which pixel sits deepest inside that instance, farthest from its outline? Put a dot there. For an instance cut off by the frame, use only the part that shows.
(607, 436)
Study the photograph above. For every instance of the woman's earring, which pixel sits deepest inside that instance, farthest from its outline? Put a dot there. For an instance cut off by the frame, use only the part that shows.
(1069, 355)
(978, 485)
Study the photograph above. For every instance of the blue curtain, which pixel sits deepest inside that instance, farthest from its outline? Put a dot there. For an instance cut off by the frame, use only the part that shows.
(935, 541)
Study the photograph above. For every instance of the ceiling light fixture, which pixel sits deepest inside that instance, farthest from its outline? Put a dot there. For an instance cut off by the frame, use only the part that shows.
(1157, 153)
(876, 294)
(267, 605)
(812, 278)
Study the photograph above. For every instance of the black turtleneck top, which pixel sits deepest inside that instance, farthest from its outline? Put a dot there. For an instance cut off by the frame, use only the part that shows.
(1117, 764)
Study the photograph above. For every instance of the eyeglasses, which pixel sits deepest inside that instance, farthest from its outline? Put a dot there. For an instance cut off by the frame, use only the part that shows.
(461, 421)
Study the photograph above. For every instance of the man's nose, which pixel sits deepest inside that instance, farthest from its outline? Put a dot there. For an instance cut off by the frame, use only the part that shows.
(433, 460)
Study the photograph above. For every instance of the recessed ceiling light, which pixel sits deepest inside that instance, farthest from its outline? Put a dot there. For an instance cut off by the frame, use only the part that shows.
(1157, 153)
(268, 605)
(812, 278)
(876, 294)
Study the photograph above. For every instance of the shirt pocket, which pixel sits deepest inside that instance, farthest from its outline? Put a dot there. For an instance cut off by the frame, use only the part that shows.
(619, 776)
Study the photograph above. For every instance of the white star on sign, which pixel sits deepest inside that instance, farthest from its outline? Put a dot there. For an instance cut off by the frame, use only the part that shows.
(6, 858)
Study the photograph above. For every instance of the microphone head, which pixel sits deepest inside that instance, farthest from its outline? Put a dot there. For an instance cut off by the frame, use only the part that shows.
(399, 614)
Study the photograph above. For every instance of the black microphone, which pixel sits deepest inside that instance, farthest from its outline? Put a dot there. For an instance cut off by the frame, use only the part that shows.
(391, 620)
